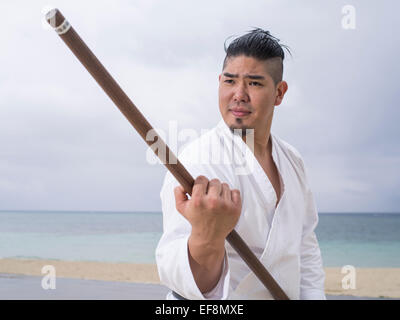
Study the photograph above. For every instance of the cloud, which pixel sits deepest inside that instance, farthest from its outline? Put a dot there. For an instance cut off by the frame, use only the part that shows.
(65, 146)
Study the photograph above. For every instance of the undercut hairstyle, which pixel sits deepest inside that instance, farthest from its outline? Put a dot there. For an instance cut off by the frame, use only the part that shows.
(261, 45)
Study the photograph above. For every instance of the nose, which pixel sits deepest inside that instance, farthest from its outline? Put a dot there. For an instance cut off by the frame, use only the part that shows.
(240, 94)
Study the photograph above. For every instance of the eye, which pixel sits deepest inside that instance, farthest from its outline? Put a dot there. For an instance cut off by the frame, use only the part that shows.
(256, 83)
(229, 81)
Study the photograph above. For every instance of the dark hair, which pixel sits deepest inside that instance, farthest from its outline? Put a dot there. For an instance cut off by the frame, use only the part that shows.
(261, 45)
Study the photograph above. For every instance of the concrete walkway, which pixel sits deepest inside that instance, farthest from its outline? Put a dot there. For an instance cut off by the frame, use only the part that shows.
(22, 287)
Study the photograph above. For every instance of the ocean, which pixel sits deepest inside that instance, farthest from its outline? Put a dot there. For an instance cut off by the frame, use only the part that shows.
(357, 239)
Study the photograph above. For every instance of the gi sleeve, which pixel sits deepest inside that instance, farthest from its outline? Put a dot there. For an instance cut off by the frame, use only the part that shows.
(172, 254)
(311, 268)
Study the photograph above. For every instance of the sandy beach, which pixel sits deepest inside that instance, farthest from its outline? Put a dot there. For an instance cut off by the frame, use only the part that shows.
(370, 282)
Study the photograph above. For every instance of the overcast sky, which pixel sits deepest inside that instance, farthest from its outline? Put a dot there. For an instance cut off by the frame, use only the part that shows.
(65, 146)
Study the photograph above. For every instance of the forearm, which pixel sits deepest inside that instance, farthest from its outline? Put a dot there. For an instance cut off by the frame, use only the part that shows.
(206, 262)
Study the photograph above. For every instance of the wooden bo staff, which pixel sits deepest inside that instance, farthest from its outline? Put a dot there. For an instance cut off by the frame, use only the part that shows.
(138, 121)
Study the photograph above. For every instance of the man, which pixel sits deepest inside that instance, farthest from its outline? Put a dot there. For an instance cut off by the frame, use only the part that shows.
(268, 201)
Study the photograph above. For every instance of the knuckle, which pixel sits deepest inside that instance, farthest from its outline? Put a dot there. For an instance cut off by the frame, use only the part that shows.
(213, 202)
(225, 206)
(214, 181)
(201, 178)
(236, 191)
(197, 202)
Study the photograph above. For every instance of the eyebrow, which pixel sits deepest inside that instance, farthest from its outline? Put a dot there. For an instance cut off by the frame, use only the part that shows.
(250, 76)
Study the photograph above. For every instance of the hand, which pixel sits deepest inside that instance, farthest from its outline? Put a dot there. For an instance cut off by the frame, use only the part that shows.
(213, 210)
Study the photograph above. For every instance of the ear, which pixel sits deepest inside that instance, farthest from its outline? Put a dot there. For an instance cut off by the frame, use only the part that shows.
(281, 89)
(219, 78)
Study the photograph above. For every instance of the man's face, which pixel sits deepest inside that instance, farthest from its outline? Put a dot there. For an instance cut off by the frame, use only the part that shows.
(247, 94)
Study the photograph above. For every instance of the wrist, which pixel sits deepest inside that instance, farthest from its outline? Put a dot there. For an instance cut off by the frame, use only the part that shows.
(206, 262)
(206, 253)
(208, 243)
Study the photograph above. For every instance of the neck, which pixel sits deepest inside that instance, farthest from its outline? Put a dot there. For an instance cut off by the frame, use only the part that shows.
(262, 141)
(262, 145)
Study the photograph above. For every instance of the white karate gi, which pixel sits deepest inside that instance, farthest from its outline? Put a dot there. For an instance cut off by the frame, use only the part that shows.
(283, 238)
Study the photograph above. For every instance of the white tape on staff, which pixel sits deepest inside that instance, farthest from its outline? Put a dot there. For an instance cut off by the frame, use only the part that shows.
(63, 27)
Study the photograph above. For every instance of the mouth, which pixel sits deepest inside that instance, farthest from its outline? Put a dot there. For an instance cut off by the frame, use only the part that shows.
(240, 113)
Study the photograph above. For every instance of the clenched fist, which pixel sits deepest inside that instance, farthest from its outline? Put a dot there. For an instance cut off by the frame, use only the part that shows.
(213, 209)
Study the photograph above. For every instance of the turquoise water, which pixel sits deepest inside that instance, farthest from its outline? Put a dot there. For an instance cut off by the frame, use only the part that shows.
(361, 240)
(80, 236)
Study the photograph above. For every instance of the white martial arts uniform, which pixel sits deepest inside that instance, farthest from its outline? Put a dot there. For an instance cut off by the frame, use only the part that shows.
(283, 238)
